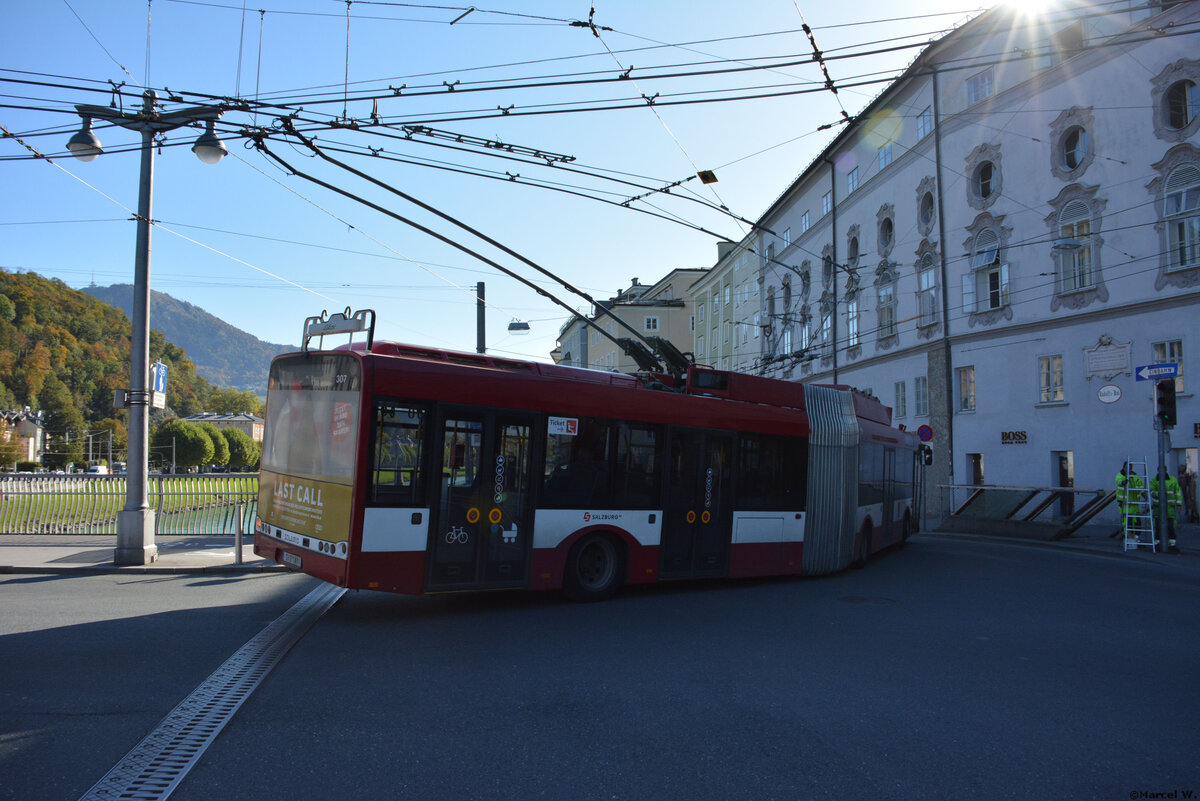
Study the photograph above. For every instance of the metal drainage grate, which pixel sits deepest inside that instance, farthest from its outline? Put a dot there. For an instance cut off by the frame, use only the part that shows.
(157, 765)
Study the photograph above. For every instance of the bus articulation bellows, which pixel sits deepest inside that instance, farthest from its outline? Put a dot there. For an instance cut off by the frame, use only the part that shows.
(411, 470)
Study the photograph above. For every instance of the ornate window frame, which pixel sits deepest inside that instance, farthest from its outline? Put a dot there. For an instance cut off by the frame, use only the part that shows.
(853, 247)
(1074, 117)
(928, 186)
(986, 153)
(886, 278)
(1004, 311)
(1182, 70)
(885, 238)
(1076, 299)
(927, 326)
(1180, 277)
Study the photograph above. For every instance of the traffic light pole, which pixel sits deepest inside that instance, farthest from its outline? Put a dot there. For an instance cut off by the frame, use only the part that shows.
(1161, 497)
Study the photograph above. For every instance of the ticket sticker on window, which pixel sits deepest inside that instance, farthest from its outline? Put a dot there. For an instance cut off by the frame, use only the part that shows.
(564, 426)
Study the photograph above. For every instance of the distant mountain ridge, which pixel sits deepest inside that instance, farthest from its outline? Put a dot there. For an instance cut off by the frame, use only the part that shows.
(225, 355)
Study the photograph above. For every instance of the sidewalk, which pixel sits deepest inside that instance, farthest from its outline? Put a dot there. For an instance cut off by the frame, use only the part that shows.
(1097, 539)
(39, 553)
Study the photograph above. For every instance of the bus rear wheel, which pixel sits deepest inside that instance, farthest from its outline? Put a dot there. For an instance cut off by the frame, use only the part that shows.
(595, 569)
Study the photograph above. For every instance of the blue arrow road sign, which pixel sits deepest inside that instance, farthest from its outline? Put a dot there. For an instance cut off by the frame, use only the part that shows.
(1152, 372)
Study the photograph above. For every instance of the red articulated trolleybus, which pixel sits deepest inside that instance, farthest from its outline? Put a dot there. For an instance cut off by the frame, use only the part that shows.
(411, 470)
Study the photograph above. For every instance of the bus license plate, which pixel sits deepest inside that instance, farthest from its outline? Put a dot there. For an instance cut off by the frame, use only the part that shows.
(291, 559)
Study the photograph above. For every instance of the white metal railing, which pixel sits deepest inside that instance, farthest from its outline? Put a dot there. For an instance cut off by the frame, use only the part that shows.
(88, 504)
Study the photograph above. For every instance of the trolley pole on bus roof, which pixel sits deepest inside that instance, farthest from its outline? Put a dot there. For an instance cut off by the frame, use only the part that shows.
(480, 336)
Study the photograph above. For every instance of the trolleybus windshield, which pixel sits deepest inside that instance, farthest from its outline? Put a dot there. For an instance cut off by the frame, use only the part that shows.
(307, 478)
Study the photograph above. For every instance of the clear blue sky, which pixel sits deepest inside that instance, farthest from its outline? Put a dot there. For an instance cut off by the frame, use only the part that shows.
(298, 248)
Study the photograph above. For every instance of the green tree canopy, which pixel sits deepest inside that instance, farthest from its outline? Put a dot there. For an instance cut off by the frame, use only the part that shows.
(191, 444)
(243, 450)
(220, 446)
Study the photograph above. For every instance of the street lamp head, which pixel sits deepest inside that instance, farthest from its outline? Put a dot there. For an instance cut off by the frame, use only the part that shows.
(84, 145)
(208, 147)
(518, 327)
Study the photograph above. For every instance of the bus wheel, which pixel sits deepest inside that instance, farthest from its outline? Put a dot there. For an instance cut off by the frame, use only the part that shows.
(595, 569)
(864, 545)
(905, 532)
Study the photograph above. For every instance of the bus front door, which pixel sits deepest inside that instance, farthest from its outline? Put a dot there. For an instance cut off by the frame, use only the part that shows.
(698, 513)
(483, 532)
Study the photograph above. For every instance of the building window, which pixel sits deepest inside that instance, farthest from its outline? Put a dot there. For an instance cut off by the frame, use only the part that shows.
(787, 237)
(728, 331)
(757, 325)
(1183, 103)
(966, 388)
(901, 402)
(728, 294)
(980, 87)
(885, 155)
(826, 202)
(1175, 96)
(926, 207)
(925, 122)
(852, 323)
(927, 292)
(887, 233)
(804, 222)
(700, 346)
(1171, 351)
(1075, 245)
(921, 395)
(887, 308)
(786, 346)
(1181, 210)
(827, 335)
(852, 180)
(700, 303)
(1050, 379)
(650, 324)
(1074, 147)
(852, 252)
(986, 287)
(983, 180)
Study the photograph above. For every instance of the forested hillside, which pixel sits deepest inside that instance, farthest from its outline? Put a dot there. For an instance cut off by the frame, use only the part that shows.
(64, 353)
(223, 354)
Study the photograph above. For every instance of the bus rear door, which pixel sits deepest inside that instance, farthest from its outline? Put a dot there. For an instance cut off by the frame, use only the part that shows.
(483, 529)
(698, 510)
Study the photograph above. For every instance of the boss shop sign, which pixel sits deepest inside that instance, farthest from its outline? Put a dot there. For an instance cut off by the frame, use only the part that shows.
(1014, 438)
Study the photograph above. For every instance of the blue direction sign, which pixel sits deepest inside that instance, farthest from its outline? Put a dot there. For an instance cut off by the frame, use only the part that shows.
(1153, 372)
(160, 377)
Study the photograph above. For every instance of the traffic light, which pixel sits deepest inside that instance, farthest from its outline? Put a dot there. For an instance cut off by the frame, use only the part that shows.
(1166, 401)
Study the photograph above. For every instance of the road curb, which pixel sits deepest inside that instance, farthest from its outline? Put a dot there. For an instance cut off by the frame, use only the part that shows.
(209, 570)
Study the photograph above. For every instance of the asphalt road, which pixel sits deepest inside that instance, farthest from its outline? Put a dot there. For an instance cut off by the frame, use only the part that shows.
(952, 669)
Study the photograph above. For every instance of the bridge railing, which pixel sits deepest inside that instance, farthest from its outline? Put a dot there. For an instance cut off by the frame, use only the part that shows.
(88, 504)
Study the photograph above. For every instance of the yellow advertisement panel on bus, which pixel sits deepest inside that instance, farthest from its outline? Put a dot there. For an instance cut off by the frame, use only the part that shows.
(306, 506)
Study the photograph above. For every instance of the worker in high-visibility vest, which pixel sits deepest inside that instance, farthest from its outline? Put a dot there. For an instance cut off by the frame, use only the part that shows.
(1125, 482)
(1174, 499)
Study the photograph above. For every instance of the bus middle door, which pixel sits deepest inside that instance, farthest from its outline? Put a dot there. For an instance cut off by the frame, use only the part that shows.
(483, 530)
(697, 517)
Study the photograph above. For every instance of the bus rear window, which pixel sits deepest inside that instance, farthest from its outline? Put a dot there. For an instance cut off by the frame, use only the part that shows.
(312, 416)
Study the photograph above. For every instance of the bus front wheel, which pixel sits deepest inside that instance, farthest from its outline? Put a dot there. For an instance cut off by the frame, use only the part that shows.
(595, 569)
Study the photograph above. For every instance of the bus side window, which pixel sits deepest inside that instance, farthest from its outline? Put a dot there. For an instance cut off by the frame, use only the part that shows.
(577, 467)
(636, 481)
(397, 476)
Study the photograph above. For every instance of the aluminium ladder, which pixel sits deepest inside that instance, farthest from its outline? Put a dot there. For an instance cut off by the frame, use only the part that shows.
(1138, 522)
